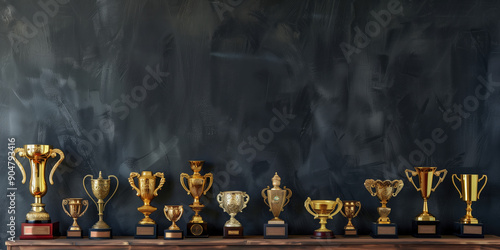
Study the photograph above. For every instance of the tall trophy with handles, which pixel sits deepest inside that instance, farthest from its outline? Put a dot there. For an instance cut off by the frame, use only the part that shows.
(233, 202)
(276, 198)
(468, 226)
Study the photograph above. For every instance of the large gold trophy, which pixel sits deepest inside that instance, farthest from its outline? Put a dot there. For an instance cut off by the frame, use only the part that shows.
(147, 190)
(173, 214)
(100, 188)
(276, 198)
(323, 209)
(350, 212)
(468, 225)
(233, 202)
(425, 224)
(384, 190)
(197, 184)
(38, 224)
(75, 211)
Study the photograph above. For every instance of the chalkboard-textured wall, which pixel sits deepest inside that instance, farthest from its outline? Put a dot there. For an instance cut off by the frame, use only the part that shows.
(326, 93)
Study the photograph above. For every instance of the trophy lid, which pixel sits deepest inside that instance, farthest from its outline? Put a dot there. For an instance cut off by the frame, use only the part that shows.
(276, 182)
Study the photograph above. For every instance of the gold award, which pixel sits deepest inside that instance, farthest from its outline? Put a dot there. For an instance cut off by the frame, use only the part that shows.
(469, 193)
(276, 198)
(350, 212)
(384, 190)
(173, 214)
(197, 186)
(75, 210)
(146, 192)
(323, 209)
(425, 175)
(100, 189)
(233, 202)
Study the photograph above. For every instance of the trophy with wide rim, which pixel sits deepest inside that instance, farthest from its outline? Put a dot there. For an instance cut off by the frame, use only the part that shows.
(233, 202)
(323, 210)
(173, 213)
(469, 227)
(349, 211)
(75, 211)
(276, 198)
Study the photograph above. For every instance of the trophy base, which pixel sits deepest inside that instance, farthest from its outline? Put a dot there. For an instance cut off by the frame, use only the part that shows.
(387, 231)
(323, 235)
(74, 234)
(173, 234)
(146, 231)
(469, 230)
(100, 234)
(196, 230)
(233, 232)
(39, 231)
(426, 229)
(276, 231)
(351, 233)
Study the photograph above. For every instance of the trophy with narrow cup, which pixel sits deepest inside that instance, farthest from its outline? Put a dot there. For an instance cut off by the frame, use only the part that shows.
(147, 190)
(75, 211)
(323, 209)
(38, 224)
(384, 190)
(276, 198)
(233, 202)
(173, 214)
(350, 212)
(425, 225)
(197, 183)
(469, 227)
(100, 188)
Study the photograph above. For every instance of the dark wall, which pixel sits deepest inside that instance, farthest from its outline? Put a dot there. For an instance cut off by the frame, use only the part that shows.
(326, 93)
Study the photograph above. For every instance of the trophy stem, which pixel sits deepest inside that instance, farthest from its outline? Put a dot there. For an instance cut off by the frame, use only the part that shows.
(426, 208)
(349, 225)
(322, 223)
(468, 218)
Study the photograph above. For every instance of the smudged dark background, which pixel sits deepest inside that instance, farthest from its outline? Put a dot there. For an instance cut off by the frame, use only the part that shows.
(223, 70)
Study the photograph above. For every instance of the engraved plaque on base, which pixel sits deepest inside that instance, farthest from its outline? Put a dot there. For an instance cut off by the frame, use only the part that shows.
(384, 230)
(350, 232)
(233, 232)
(74, 234)
(196, 230)
(463, 230)
(276, 231)
(146, 231)
(38, 231)
(173, 234)
(99, 234)
(426, 229)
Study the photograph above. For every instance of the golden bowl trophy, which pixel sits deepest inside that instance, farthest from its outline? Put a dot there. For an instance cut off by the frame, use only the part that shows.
(100, 188)
(147, 190)
(75, 211)
(323, 209)
(173, 214)
(276, 198)
(384, 190)
(425, 224)
(469, 226)
(233, 202)
(38, 224)
(350, 212)
(197, 184)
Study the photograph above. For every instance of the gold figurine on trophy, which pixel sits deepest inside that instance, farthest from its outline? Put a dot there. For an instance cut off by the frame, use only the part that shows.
(233, 202)
(468, 225)
(75, 211)
(323, 209)
(173, 214)
(276, 198)
(350, 213)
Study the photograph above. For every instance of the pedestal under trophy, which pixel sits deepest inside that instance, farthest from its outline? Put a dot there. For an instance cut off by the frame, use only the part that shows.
(276, 198)
(469, 227)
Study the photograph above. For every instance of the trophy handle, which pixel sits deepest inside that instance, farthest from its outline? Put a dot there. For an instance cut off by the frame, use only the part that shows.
(358, 204)
(22, 153)
(437, 173)
(165, 212)
(184, 175)
(245, 202)
(89, 175)
(453, 180)
(263, 193)
(182, 211)
(342, 212)
(410, 178)
(288, 196)
(117, 182)
(53, 153)
(369, 185)
(307, 205)
(160, 185)
(219, 200)
(485, 180)
(86, 204)
(399, 185)
(211, 176)
(132, 183)
(339, 207)
(64, 203)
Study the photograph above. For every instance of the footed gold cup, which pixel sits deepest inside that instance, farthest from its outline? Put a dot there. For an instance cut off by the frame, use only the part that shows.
(233, 202)
(425, 175)
(75, 210)
(469, 193)
(350, 212)
(196, 187)
(323, 209)
(173, 214)
(100, 189)
(384, 190)
(276, 198)
(147, 191)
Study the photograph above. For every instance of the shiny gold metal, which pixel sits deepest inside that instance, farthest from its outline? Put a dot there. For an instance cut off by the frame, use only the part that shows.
(384, 190)
(75, 210)
(425, 175)
(323, 209)
(100, 188)
(147, 191)
(469, 193)
(233, 202)
(197, 187)
(276, 198)
(173, 214)
(350, 212)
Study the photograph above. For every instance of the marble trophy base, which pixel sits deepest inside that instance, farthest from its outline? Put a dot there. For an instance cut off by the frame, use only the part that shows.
(74, 234)
(146, 231)
(463, 230)
(39, 231)
(233, 232)
(426, 229)
(323, 235)
(196, 230)
(276, 230)
(388, 231)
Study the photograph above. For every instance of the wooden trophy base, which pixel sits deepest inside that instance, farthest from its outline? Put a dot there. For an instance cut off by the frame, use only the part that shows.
(426, 229)
(469, 230)
(350, 233)
(197, 230)
(173, 234)
(233, 232)
(100, 234)
(146, 231)
(387, 231)
(39, 231)
(323, 235)
(276, 231)
(74, 234)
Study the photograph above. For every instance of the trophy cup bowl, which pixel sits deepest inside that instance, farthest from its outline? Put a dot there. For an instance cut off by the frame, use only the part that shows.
(323, 209)
(233, 202)
(384, 190)
(100, 188)
(75, 210)
(146, 191)
(350, 212)
(469, 193)
(425, 176)
(173, 214)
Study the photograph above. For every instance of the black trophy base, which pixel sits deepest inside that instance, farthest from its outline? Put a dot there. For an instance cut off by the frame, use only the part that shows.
(323, 235)
(146, 231)
(100, 234)
(426, 229)
(469, 230)
(276, 231)
(39, 231)
(74, 234)
(350, 233)
(196, 230)
(233, 232)
(385, 231)
(173, 234)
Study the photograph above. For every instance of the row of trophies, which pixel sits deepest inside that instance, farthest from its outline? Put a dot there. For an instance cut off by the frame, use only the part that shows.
(39, 226)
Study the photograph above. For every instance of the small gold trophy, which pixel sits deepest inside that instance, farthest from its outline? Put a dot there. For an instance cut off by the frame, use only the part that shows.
(350, 213)
(425, 224)
(233, 202)
(100, 189)
(75, 211)
(38, 224)
(323, 209)
(469, 226)
(147, 227)
(173, 214)
(197, 186)
(384, 190)
(276, 198)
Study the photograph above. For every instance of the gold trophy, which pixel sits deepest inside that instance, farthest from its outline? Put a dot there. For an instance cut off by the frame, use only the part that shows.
(147, 227)
(350, 212)
(468, 225)
(38, 224)
(100, 189)
(384, 190)
(75, 211)
(233, 202)
(323, 209)
(173, 214)
(197, 186)
(425, 224)
(276, 198)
